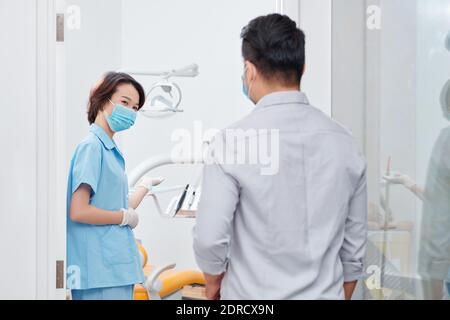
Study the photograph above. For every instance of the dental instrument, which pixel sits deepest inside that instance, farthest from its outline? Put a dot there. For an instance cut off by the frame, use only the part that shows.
(181, 201)
(388, 193)
(387, 219)
(153, 163)
(195, 190)
(191, 202)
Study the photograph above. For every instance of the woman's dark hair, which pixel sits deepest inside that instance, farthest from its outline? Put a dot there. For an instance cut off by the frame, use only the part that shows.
(106, 89)
(275, 45)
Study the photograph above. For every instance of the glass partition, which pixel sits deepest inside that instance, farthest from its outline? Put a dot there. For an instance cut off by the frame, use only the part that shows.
(391, 71)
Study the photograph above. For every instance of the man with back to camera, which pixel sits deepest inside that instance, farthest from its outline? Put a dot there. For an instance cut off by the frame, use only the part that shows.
(299, 232)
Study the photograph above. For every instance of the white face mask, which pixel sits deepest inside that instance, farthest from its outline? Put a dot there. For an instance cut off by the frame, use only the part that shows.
(246, 88)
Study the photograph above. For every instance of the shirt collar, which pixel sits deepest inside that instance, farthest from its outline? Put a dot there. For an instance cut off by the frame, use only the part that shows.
(103, 136)
(282, 97)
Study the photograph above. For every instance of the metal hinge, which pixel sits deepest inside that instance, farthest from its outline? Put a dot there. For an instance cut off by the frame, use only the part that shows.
(60, 274)
(60, 27)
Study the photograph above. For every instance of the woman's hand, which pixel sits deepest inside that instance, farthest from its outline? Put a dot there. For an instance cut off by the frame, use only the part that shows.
(407, 182)
(149, 182)
(143, 187)
(400, 178)
(130, 218)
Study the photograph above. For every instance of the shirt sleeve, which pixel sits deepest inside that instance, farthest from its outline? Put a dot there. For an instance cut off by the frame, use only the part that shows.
(212, 232)
(353, 249)
(87, 166)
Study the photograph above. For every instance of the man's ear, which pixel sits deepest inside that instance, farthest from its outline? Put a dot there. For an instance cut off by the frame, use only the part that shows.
(253, 72)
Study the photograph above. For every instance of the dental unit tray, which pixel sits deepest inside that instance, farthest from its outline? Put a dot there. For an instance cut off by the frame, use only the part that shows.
(182, 206)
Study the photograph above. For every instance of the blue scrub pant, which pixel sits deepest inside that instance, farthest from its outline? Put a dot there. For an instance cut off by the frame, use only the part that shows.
(114, 293)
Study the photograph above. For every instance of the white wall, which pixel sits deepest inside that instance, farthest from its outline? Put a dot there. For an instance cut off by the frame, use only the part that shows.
(18, 144)
(315, 21)
(90, 51)
(172, 34)
(397, 94)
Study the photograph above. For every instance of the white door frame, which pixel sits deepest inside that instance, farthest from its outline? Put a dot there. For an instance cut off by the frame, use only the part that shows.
(51, 162)
(290, 8)
(315, 19)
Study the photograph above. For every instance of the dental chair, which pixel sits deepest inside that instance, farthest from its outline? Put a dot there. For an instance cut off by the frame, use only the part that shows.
(164, 282)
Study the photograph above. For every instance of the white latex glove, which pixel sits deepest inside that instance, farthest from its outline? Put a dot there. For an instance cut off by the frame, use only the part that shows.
(149, 182)
(130, 218)
(400, 178)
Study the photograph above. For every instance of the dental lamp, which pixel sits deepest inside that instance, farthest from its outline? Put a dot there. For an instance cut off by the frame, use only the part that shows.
(164, 97)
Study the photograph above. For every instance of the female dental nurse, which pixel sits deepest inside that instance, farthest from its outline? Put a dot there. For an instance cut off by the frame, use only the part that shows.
(103, 259)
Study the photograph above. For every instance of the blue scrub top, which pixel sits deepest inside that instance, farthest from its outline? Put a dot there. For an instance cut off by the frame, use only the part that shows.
(100, 256)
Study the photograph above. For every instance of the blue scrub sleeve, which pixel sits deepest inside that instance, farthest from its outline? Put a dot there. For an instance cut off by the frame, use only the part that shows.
(87, 166)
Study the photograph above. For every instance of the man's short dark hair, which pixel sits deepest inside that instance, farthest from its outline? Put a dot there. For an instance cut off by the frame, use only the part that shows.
(276, 46)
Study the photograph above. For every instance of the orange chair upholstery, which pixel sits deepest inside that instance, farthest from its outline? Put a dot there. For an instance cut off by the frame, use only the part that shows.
(172, 280)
